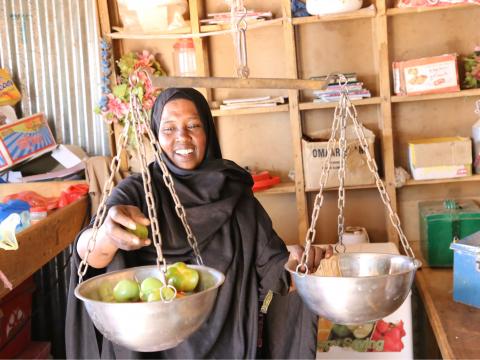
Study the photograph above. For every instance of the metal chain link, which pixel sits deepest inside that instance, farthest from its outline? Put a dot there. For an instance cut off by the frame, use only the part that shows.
(345, 109)
(168, 180)
(310, 237)
(102, 208)
(240, 38)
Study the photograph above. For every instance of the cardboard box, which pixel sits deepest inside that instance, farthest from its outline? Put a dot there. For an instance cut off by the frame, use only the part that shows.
(24, 139)
(428, 75)
(356, 171)
(440, 158)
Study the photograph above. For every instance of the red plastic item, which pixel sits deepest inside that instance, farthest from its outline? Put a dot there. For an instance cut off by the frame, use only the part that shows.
(73, 193)
(33, 199)
(15, 324)
(263, 180)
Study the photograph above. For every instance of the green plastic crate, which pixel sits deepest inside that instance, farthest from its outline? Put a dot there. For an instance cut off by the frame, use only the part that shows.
(440, 223)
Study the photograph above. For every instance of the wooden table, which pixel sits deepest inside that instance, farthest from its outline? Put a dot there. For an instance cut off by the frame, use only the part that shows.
(41, 242)
(456, 326)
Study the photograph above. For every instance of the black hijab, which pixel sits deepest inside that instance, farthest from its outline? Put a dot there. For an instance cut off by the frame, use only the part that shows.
(234, 235)
(212, 151)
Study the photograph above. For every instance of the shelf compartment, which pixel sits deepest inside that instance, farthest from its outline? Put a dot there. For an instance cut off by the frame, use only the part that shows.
(282, 188)
(364, 13)
(418, 10)
(471, 178)
(313, 106)
(252, 110)
(451, 95)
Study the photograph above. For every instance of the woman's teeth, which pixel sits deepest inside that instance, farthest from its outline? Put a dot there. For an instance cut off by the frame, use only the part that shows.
(184, 151)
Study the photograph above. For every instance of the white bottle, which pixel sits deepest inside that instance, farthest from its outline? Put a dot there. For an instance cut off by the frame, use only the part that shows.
(476, 140)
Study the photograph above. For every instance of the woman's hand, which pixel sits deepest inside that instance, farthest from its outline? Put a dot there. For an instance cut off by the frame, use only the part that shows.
(316, 254)
(113, 235)
(119, 219)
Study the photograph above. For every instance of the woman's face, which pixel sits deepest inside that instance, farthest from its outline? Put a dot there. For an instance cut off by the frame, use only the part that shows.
(182, 135)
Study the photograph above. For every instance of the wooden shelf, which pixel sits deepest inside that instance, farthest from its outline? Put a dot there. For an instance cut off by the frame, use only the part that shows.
(365, 13)
(357, 187)
(250, 25)
(121, 34)
(252, 110)
(41, 242)
(282, 188)
(451, 95)
(443, 181)
(418, 10)
(312, 105)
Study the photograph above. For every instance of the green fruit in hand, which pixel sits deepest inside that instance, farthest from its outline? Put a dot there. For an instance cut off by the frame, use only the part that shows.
(126, 290)
(105, 291)
(168, 294)
(148, 285)
(181, 277)
(140, 230)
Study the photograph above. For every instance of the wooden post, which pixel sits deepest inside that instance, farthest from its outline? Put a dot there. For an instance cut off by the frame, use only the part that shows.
(296, 122)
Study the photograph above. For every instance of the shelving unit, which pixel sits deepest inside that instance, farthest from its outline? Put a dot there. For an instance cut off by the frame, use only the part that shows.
(366, 42)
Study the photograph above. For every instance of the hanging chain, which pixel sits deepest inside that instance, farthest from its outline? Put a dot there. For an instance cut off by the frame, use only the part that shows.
(310, 237)
(372, 165)
(342, 115)
(238, 21)
(102, 208)
(345, 109)
(168, 180)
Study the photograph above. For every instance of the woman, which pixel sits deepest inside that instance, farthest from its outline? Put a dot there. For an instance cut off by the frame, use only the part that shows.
(234, 235)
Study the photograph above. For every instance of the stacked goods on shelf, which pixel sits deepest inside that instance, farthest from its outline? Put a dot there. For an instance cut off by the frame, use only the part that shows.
(263, 101)
(355, 88)
(440, 158)
(430, 3)
(429, 75)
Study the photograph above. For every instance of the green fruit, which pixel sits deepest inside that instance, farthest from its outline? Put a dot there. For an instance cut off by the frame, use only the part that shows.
(148, 285)
(341, 330)
(362, 331)
(181, 277)
(140, 230)
(105, 292)
(168, 294)
(126, 290)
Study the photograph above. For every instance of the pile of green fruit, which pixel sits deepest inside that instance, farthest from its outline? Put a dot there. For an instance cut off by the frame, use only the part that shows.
(183, 278)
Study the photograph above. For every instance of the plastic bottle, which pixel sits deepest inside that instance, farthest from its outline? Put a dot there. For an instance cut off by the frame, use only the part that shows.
(184, 58)
(476, 140)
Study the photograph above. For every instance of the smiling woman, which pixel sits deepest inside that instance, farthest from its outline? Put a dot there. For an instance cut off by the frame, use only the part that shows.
(234, 236)
(182, 135)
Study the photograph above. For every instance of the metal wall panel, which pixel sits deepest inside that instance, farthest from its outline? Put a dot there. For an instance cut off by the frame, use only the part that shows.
(51, 48)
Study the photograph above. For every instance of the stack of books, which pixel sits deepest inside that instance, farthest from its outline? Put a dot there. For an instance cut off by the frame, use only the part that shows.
(264, 101)
(225, 17)
(355, 88)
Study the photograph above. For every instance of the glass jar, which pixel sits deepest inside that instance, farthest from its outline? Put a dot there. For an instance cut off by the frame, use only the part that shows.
(184, 58)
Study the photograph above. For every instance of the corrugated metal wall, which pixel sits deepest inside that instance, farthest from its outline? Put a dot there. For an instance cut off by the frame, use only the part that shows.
(51, 49)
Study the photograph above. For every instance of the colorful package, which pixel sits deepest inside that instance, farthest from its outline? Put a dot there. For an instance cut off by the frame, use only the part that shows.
(25, 139)
(9, 94)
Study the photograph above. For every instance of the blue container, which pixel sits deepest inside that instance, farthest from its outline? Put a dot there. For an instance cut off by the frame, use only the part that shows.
(466, 270)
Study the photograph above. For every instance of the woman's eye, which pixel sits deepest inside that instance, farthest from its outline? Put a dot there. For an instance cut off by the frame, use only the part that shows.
(194, 126)
(167, 130)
